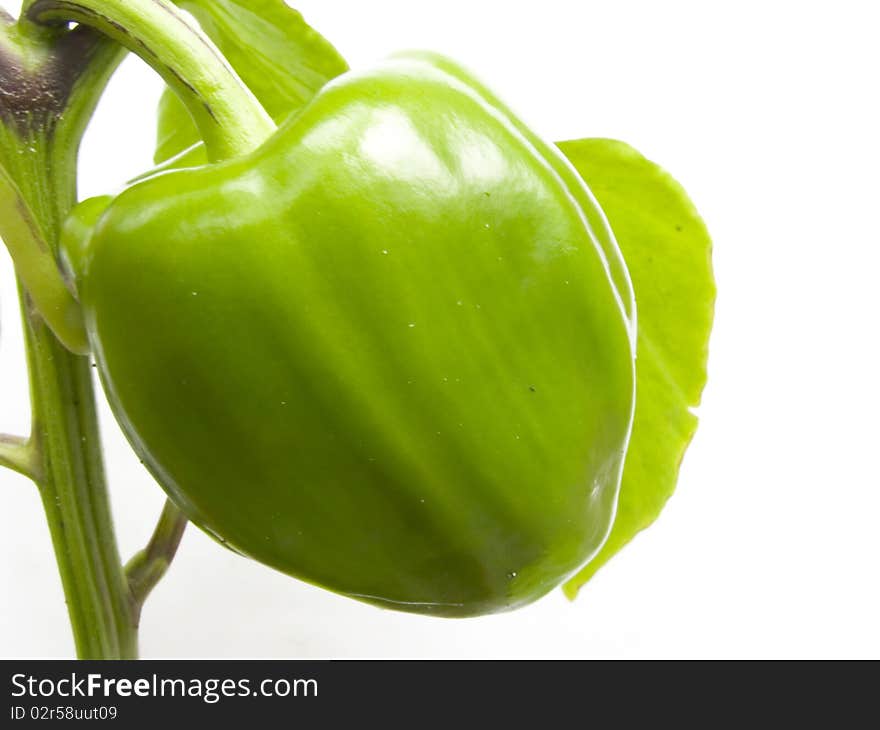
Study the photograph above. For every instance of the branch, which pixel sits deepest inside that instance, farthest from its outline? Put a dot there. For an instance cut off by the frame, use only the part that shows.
(229, 117)
(18, 454)
(149, 565)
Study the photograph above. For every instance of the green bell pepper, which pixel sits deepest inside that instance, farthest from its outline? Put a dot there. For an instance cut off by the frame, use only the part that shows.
(389, 352)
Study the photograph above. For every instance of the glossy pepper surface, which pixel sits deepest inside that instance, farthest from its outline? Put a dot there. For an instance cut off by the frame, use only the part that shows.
(389, 352)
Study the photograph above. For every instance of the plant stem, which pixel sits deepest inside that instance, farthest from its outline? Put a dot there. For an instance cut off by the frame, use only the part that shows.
(228, 116)
(50, 82)
(147, 567)
(64, 439)
(75, 498)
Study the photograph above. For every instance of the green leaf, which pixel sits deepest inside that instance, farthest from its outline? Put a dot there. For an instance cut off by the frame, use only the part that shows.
(278, 56)
(668, 252)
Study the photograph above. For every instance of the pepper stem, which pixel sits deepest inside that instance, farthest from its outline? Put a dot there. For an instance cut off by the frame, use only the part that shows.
(229, 118)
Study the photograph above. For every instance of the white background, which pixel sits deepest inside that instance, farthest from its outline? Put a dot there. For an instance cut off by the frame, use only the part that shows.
(767, 113)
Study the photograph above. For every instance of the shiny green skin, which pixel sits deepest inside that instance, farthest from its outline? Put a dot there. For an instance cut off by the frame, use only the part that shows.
(383, 353)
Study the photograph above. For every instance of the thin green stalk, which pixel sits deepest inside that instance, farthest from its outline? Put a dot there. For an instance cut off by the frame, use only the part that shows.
(148, 567)
(18, 454)
(50, 83)
(64, 440)
(75, 498)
